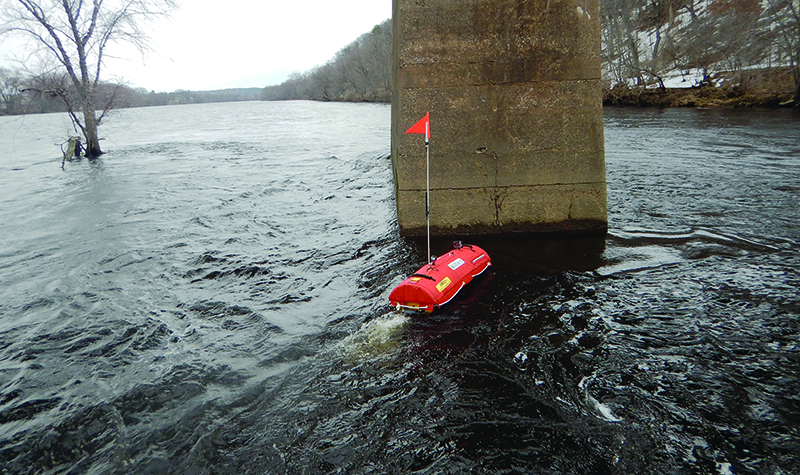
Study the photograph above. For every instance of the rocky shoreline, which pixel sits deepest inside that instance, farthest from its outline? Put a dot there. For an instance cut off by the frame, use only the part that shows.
(704, 96)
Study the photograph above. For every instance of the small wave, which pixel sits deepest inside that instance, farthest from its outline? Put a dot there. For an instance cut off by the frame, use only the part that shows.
(649, 236)
(646, 249)
(642, 258)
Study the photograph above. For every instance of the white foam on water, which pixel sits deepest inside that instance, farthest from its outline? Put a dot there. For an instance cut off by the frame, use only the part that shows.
(724, 468)
(376, 338)
(601, 409)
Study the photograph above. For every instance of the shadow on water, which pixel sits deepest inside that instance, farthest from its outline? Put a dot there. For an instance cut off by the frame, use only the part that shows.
(528, 254)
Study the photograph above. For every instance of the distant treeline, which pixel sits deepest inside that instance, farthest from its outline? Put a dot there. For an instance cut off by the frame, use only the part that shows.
(747, 51)
(43, 94)
(360, 72)
(739, 46)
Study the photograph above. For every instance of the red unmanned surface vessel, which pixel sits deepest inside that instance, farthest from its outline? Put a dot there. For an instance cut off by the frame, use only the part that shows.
(435, 284)
(438, 281)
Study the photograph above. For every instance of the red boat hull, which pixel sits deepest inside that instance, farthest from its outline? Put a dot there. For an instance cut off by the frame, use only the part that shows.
(435, 284)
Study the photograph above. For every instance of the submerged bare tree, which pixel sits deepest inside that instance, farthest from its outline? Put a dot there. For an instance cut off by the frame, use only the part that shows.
(75, 36)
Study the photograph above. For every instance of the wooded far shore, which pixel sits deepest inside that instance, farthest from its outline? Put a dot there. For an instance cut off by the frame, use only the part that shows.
(705, 96)
(632, 75)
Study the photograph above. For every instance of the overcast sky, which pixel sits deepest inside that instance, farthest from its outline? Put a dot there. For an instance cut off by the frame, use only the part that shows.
(217, 44)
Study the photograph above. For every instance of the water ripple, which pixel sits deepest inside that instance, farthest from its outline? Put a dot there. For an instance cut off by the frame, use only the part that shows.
(211, 297)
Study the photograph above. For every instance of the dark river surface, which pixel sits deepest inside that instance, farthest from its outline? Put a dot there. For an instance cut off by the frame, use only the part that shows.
(211, 297)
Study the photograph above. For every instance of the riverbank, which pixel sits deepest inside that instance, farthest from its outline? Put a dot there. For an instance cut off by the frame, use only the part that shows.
(706, 96)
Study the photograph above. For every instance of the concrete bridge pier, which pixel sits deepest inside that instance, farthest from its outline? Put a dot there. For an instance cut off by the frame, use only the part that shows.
(514, 95)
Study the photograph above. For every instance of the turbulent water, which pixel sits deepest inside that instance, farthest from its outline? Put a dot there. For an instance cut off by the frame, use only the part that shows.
(211, 297)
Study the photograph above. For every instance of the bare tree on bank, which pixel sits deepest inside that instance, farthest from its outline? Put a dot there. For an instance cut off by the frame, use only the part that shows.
(736, 44)
(74, 36)
(784, 16)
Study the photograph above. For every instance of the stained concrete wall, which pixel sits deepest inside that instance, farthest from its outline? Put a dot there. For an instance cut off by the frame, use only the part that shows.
(513, 89)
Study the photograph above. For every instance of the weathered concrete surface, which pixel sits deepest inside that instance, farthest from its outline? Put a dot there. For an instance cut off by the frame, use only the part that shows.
(513, 89)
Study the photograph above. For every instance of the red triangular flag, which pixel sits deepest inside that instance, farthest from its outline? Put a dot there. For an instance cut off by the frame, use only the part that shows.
(422, 127)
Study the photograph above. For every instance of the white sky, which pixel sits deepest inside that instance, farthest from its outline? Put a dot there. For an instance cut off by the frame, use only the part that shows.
(218, 44)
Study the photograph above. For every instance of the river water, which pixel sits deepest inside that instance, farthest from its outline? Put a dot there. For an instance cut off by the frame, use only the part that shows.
(211, 297)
